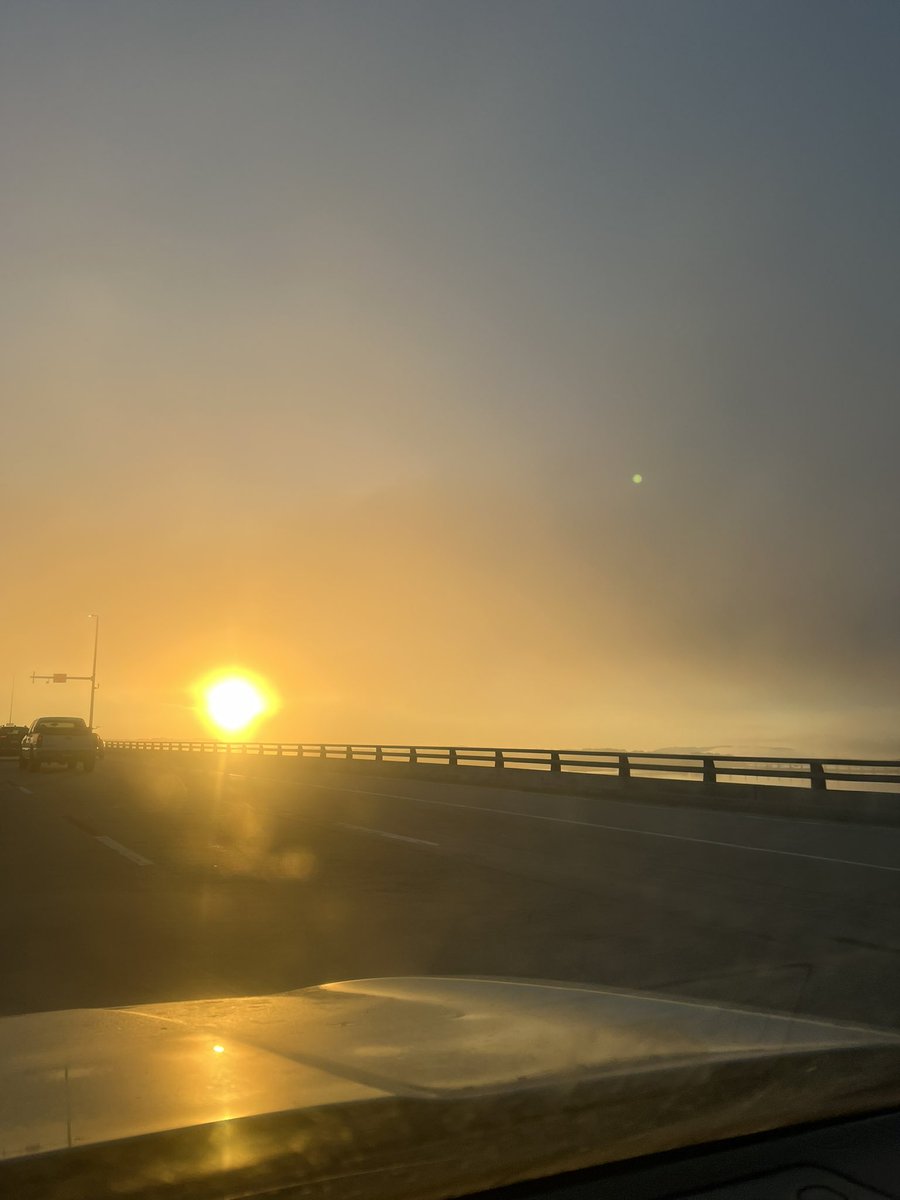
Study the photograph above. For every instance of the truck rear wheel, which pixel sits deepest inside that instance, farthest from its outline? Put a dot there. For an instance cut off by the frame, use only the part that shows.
(33, 764)
(87, 764)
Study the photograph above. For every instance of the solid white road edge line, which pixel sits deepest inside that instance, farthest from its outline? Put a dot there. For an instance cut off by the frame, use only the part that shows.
(671, 837)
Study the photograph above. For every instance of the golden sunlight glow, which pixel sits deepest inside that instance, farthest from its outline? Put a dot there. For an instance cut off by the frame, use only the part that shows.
(233, 702)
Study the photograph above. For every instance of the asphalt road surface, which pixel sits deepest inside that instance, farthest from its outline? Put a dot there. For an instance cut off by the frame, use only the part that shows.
(167, 878)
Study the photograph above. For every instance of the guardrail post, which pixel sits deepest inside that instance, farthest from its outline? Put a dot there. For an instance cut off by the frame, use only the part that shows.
(349, 752)
(709, 770)
(624, 767)
(322, 753)
(379, 756)
(413, 757)
(555, 764)
(452, 760)
(817, 777)
(498, 758)
(279, 750)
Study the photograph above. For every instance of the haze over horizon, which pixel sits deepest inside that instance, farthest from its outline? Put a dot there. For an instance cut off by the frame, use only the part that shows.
(334, 336)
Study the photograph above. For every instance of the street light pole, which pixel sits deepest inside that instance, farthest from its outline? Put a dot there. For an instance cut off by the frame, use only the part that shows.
(63, 677)
(94, 669)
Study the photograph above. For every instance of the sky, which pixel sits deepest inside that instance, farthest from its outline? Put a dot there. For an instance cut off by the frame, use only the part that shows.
(333, 335)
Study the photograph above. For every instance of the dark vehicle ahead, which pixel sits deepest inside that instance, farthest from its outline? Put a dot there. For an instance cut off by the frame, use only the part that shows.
(65, 740)
(11, 740)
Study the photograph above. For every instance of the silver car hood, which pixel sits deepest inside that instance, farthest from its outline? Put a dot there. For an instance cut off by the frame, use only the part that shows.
(396, 1087)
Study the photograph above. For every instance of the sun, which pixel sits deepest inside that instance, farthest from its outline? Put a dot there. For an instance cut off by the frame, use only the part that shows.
(233, 702)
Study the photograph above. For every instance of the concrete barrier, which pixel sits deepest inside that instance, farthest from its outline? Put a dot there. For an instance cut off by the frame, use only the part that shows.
(864, 808)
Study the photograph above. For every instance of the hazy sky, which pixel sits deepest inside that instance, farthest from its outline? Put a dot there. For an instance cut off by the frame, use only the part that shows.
(332, 334)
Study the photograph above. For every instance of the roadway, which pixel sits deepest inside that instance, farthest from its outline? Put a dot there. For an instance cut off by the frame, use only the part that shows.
(170, 878)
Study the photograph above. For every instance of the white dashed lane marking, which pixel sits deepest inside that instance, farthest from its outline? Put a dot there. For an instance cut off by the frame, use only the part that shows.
(108, 842)
(131, 855)
(394, 837)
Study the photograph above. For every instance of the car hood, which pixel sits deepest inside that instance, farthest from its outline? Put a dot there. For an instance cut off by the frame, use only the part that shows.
(396, 1087)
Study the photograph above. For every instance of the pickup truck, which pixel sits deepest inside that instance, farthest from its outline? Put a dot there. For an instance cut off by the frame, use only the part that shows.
(65, 740)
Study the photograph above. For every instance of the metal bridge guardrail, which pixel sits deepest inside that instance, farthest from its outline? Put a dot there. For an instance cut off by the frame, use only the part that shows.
(815, 773)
